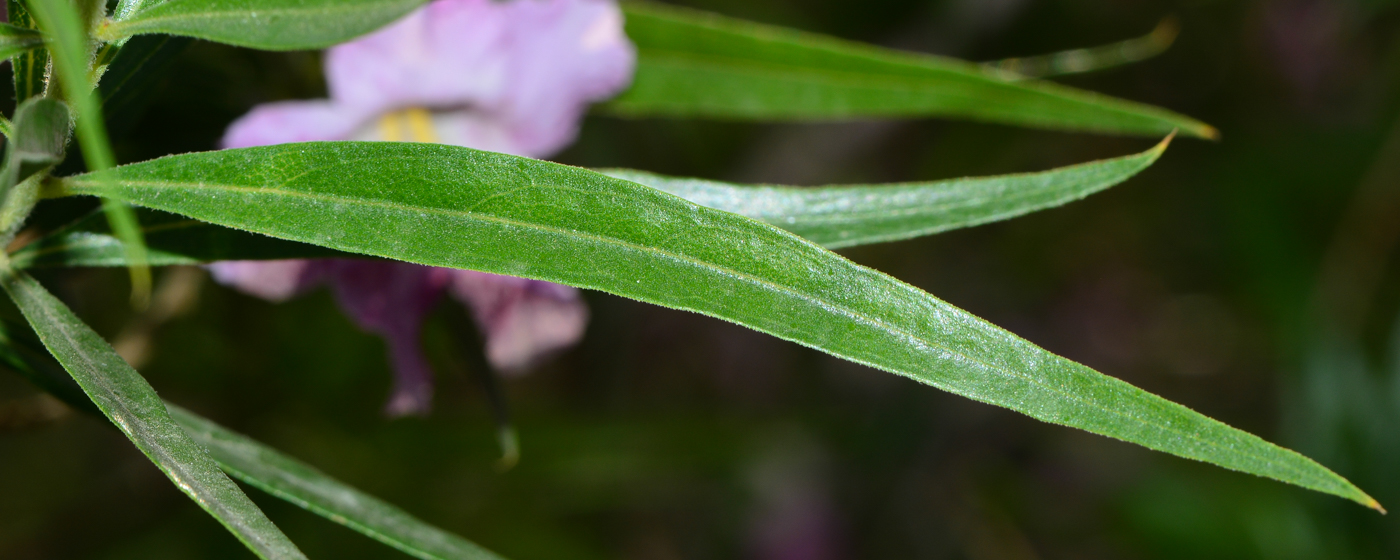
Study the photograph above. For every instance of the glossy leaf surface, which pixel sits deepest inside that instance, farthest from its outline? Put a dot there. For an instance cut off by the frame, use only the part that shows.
(848, 215)
(461, 208)
(132, 405)
(838, 216)
(695, 64)
(277, 25)
(303, 485)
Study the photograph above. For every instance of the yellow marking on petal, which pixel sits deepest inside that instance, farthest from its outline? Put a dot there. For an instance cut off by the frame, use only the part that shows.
(420, 125)
(389, 129)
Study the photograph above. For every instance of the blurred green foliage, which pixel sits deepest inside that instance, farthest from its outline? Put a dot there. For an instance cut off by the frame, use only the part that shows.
(663, 434)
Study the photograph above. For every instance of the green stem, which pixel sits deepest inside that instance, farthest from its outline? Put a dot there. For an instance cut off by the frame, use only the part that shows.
(72, 56)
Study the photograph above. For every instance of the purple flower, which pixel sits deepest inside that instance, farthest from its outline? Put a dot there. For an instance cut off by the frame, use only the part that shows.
(513, 77)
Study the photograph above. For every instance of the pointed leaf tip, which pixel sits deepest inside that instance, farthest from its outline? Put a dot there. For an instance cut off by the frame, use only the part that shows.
(460, 208)
(1373, 504)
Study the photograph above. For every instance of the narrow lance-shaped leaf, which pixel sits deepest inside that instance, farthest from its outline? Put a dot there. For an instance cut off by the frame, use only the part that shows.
(29, 66)
(303, 485)
(848, 215)
(695, 64)
(278, 25)
(1078, 61)
(838, 216)
(461, 208)
(22, 353)
(130, 403)
(71, 49)
(258, 465)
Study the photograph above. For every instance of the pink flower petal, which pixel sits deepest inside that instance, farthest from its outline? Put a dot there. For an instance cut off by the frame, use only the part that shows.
(451, 53)
(522, 320)
(292, 121)
(391, 299)
(275, 281)
(566, 54)
(520, 74)
(513, 77)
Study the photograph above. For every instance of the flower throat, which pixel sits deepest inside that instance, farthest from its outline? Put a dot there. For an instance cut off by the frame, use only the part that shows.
(414, 120)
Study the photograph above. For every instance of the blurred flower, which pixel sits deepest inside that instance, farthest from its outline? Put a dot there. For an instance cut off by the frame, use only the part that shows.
(513, 77)
(1308, 42)
(794, 516)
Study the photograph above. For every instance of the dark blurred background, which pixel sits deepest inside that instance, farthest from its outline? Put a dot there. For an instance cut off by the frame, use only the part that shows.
(1249, 279)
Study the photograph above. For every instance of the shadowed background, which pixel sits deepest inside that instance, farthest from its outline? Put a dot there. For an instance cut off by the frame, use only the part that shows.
(1248, 279)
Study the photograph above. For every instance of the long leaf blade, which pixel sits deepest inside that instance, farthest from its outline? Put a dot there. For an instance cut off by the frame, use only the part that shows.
(27, 67)
(277, 25)
(833, 217)
(132, 405)
(696, 64)
(849, 215)
(461, 208)
(309, 488)
(1092, 59)
(259, 465)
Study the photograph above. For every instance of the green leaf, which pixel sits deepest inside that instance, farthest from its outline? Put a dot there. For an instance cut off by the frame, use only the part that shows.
(461, 208)
(695, 64)
(21, 352)
(278, 25)
(16, 40)
(125, 8)
(303, 485)
(1078, 61)
(37, 142)
(838, 216)
(130, 403)
(259, 465)
(171, 240)
(71, 50)
(848, 215)
(28, 66)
